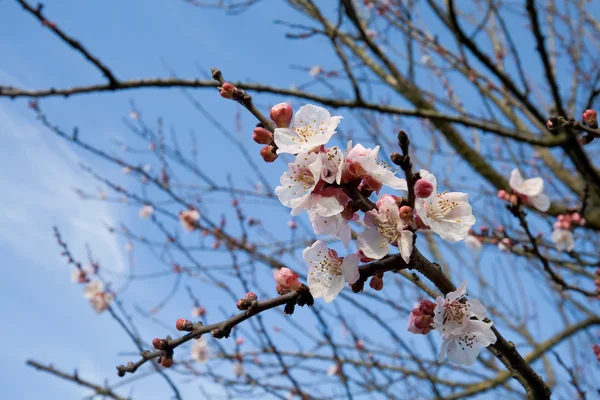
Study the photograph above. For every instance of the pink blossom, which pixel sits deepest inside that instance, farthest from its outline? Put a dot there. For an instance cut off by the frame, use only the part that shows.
(189, 219)
(287, 279)
(420, 320)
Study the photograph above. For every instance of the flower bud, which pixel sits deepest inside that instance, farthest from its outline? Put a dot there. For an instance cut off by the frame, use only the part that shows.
(423, 189)
(262, 136)
(239, 341)
(281, 114)
(159, 344)
(406, 212)
(227, 90)
(250, 296)
(287, 279)
(268, 154)
(183, 324)
(376, 282)
(590, 117)
(420, 320)
(166, 362)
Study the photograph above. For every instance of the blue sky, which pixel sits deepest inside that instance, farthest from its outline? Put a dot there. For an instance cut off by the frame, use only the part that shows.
(48, 318)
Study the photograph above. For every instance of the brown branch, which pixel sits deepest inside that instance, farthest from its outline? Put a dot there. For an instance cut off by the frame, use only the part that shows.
(37, 12)
(104, 391)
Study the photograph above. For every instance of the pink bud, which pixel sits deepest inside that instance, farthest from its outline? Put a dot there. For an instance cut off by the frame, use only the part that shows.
(406, 212)
(262, 136)
(250, 296)
(420, 320)
(281, 114)
(292, 224)
(582, 222)
(376, 282)
(590, 117)
(560, 217)
(166, 362)
(423, 189)
(159, 344)
(227, 90)
(183, 324)
(576, 217)
(239, 341)
(502, 195)
(268, 154)
(287, 279)
(550, 125)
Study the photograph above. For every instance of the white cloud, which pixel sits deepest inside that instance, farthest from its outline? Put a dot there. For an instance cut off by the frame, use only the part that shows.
(39, 174)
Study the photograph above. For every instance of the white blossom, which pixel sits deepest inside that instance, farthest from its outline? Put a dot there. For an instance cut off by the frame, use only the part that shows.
(92, 288)
(328, 273)
(385, 228)
(463, 337)
(298, 188)
(532, 189)
(335, 225)
(200, 351)
(563, 239)
(146, 211)
(447, 214)
(311, 128)
(362, 163)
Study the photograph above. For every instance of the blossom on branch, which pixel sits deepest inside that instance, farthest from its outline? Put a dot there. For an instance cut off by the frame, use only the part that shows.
(448, 214)
(311, 128)
(99, 298)
(146, 211)
(463, 337)
(189, 219)
(530, 191)
(385, 228)
(200, 351)
(327, 272)
(361, 163)
(302, 188)
(563, 239)
(335, 225)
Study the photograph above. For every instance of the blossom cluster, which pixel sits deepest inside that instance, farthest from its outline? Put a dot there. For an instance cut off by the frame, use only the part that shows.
(460, 323)
(333, 185)
(99, 297)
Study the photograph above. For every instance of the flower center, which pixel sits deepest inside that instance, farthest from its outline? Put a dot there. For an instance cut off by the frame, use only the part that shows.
(440, 207)
(455, 311)
(307, 132)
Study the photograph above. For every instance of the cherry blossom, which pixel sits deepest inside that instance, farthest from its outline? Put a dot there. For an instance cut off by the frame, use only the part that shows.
(563, 239)
(99, 298)
(386, 228)
(200, 351)
(530, 190)
(361, 163)
(146, 211)
(311, 128)
(189, 219)
(448, 214)
(335, 225)
(328, 273)
(462, 335)
(299, 189)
